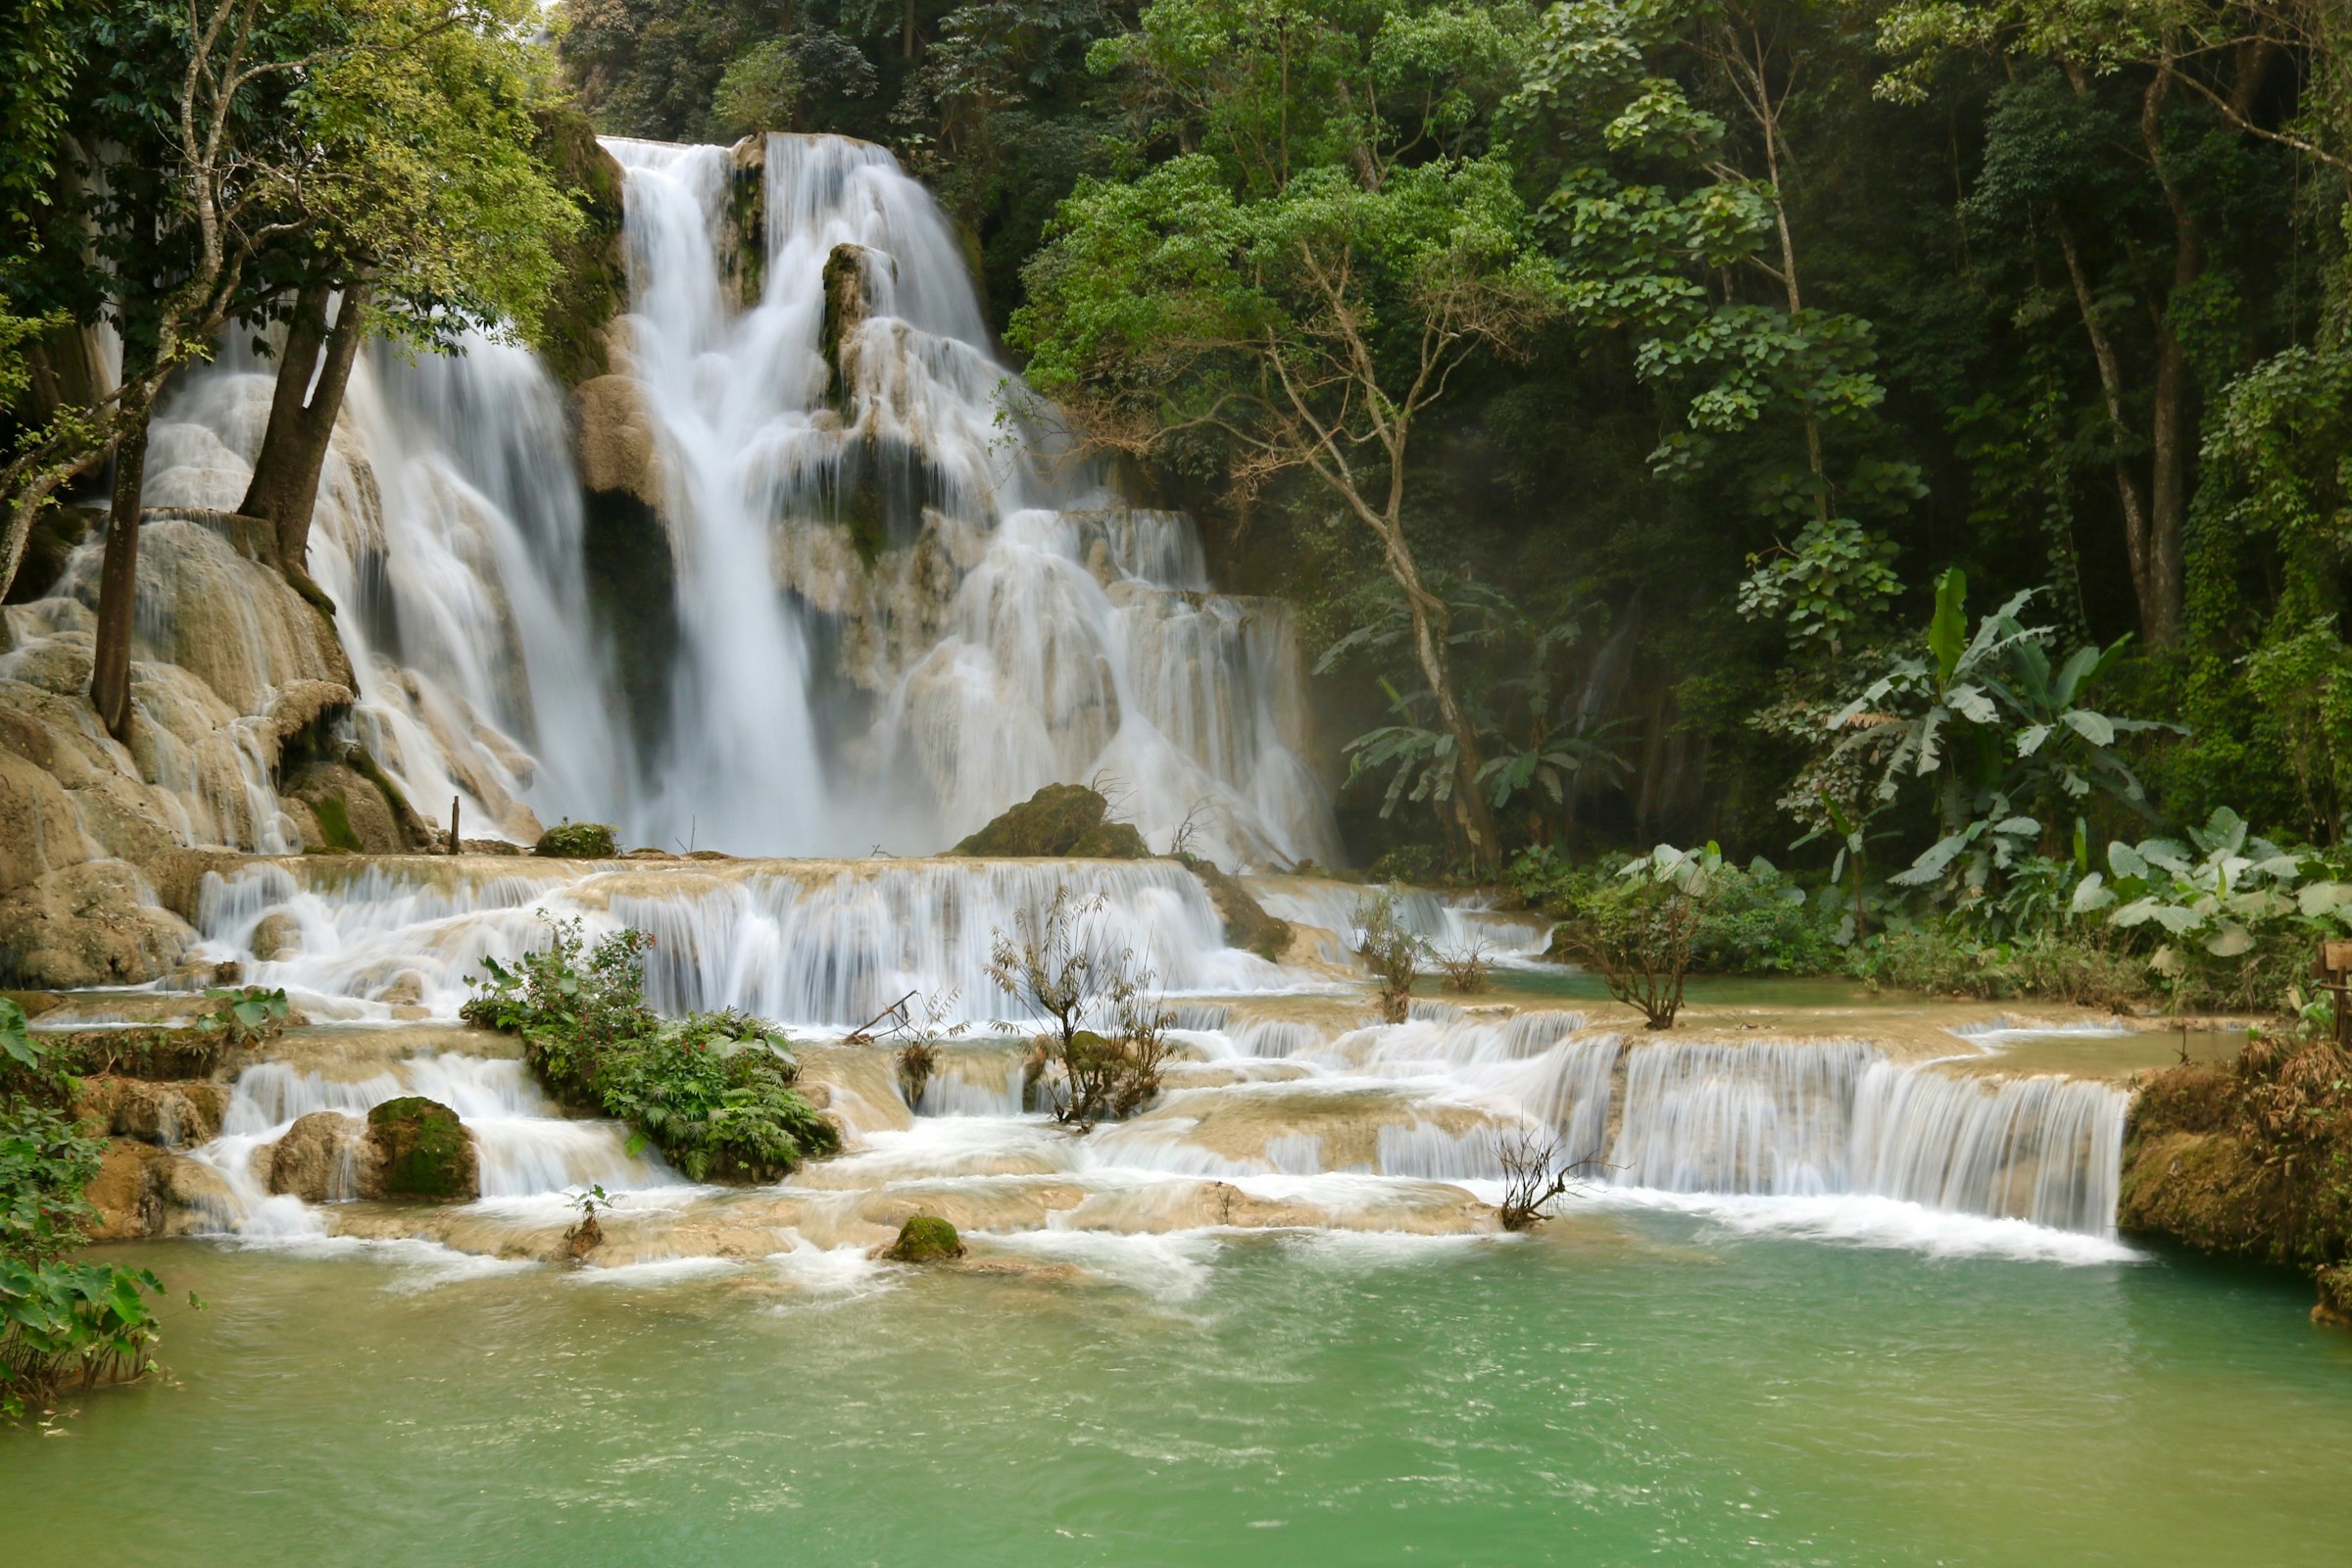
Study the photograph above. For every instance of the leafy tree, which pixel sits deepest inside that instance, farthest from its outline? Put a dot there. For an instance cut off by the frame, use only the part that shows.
(1304, 288)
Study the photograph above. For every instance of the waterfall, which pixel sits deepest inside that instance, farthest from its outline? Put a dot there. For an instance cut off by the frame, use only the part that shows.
(900, 603)
(903, 605)
(1789, 1119)
(449, 530)
(816, 945)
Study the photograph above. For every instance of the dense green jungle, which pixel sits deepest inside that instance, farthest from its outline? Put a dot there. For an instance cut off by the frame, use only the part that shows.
(1503, 661)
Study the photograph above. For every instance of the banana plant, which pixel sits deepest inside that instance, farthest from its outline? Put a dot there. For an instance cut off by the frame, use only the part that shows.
(2002, 732)
(2218, 890)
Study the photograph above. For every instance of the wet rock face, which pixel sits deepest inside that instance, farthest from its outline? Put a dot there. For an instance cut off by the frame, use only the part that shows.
(92, 924)
(142, 1191)
(416, 1147)
(173, 1116)
(318, 1159)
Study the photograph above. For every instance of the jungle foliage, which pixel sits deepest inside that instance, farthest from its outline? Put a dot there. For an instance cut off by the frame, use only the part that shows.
(1616, 385)
(64, 1323)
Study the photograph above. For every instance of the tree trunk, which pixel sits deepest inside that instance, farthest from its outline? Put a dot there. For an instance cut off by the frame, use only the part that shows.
(284, 490)
(117, 579)
(1428, 612)
(2169, 438)
(2140, 547)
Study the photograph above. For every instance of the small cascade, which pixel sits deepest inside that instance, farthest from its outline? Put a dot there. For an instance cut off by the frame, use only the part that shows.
(1839, 1118)
(524, 1148)
(824, 945)
(1449, 922)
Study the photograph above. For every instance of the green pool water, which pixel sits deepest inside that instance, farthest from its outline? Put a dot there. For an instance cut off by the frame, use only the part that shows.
(1635, 1387)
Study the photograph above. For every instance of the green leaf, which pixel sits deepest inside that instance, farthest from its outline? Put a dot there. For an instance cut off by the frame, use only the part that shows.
(1947, 632)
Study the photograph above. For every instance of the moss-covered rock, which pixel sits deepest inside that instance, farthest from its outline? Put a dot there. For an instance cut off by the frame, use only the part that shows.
(925, 1239)
(592, 283)
(2251, 1159)
(1246, 922)
(417, 1148)
(1111, 841)
(1048, 824)
(577, 841)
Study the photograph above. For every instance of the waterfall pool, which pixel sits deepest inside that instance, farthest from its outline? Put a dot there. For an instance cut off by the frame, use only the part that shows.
(1625, 1387)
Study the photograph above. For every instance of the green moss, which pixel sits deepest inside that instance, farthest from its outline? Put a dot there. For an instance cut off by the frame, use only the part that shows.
(577, 841)
(334, 822)
(1111, 841)
(593, 284)
(925, 1239)
(427, 1153)
(2250, 1160)
(1049, 822)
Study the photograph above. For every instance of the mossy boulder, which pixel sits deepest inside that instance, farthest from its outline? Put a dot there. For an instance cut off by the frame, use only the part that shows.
(925, 1239)
(577, 841)
(1050, 824)
(1246, 922)
(417, 1148)
(1111, 841)
(2250, 1160)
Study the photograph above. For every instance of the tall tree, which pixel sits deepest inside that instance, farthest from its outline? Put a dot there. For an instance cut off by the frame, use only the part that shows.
(1305, 286)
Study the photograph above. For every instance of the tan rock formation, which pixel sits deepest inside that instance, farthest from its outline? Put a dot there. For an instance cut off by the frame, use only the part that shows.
(616, 446)
(319, 1160)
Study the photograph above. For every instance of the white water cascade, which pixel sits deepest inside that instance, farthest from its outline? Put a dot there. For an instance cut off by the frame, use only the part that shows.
(900, 607)
(1787, 1120)
(1003, 621)
(448, 533)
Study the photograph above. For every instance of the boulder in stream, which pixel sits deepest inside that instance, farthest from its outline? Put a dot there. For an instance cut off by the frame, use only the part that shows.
(417, 1148)
(925, 1239)
(318, 1160)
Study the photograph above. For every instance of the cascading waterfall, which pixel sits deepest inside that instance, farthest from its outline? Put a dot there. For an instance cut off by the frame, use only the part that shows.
(523, 1147)
(1276, 1087)
(1839, 1118)
(817, 944)
(449, 526)
(901, 607)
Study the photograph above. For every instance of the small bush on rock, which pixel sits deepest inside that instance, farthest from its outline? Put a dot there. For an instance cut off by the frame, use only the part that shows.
(577, 841)
(714, 1094)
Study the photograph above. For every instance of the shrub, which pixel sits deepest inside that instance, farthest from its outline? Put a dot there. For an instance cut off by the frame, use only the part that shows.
(1055, 964)
(714, 1094)
(1637, 931)
(719, 1108)
(577, 841)
(1390, 951)
(1759, 922)
(60, 1322)
(1466, 971)
(1943, 960)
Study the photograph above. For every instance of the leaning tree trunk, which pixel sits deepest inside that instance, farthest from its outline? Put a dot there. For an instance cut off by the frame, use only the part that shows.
(284, 490)
(118, 577)
(1427, 613)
